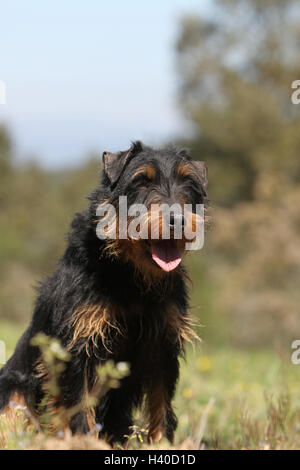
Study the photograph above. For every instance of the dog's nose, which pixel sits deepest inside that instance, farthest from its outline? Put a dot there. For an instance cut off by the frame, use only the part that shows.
(177, 220)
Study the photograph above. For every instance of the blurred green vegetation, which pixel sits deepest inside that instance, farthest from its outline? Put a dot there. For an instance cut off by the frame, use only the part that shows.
(235, 73)
(251, 399)
(36, 207)
(226, 399)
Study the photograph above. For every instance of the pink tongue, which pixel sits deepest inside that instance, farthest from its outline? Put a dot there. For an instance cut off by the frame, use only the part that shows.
(166, 254)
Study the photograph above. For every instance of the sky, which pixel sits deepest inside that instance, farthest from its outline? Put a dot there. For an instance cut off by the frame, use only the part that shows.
(88, 76)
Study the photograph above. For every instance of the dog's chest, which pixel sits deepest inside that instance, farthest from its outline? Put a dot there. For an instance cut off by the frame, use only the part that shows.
(148, 325)
(118, 330)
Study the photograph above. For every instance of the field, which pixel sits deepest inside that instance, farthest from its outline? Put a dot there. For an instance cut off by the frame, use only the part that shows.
(222, 84)
(226, 399)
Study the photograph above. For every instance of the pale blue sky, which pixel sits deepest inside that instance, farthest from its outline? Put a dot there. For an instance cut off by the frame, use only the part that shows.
(89, 75)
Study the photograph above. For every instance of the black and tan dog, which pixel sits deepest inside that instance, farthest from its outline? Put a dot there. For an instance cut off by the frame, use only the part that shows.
(121, 299)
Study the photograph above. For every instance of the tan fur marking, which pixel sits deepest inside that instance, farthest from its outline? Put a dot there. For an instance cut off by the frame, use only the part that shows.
(54, 410)
(157, 411)
(59, 418)
(146, 170)
(16, 399)
(91, 322)
(187, 169)
(181, 326)
(193, 222)
(12, 417)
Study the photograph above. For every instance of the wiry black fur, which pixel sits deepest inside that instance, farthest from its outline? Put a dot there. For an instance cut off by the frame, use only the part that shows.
(86, 274)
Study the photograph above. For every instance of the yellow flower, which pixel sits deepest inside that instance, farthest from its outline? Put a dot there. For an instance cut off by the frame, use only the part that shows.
(204, 363)
(242, 386)
(187, 393)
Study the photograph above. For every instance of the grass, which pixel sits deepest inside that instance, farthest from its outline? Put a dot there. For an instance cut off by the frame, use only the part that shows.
(226, 399)
(254, 396)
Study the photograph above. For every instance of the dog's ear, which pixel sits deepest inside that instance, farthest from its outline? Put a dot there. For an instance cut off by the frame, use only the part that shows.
(115, 162)
(203, 172)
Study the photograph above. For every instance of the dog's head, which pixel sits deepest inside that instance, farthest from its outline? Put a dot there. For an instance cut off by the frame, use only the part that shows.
(155, 194)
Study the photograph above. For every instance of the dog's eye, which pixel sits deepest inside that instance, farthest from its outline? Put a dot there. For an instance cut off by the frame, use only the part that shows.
(194, 193)
(141, 180)
(189, 181)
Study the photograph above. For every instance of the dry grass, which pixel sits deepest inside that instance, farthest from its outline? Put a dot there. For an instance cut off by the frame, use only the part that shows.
(228, 399)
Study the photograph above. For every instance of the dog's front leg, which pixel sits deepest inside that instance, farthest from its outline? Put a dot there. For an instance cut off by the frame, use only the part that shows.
(162, 419)
(114, 411)
(72, 390)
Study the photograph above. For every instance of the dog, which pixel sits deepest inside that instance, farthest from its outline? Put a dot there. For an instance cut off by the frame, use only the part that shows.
(119, 299)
